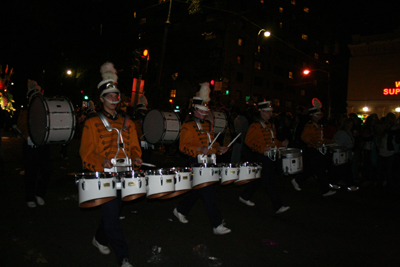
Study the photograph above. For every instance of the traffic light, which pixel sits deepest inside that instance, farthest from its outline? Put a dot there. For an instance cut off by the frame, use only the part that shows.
(212, 82)
(86, 97)
(227, 92)
(171, 101)
(140, 61)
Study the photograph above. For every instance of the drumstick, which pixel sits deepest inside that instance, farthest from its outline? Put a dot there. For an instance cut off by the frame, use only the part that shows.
(210, 146)
(148, 164)
(142, 135)
(234, 140)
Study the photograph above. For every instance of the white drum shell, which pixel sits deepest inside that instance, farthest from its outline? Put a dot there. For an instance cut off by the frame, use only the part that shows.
(339, 155)
(159, 185)
(247, 173)
(132, 186)
(161, 127)
(292, 161)
(220, 121)
(258, 171)
(229, 174)
(204, 176)
(96, 191)
(51, 120)
(183, 182)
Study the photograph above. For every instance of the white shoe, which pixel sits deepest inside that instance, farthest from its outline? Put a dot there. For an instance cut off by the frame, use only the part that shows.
(125, 263)
(296, 185)
(334, 186)
(329, 193)
(103, 249)
(39, 200)
(180, 216)
(282, 209)
(31, 204)
(247, 202)
(221, 230)
(352, 188)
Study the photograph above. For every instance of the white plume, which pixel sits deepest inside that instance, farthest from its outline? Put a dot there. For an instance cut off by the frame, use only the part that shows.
(108, 72)
(143, 100)
(204, 92)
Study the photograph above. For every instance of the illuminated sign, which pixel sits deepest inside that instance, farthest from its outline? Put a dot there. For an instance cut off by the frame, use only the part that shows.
(392, 91)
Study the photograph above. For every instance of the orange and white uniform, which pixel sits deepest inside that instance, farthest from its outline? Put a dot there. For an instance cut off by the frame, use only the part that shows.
(191, 138)
(98, 144)
(257, 138)
(312, 134)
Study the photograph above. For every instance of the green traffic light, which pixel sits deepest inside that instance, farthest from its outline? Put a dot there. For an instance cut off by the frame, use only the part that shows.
(86, 97)
(227, 92)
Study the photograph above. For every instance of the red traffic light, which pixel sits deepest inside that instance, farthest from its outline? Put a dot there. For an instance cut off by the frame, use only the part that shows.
(171, 101)
(145, 53)
(212, 82)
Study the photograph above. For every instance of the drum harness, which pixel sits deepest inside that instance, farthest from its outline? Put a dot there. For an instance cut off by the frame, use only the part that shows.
(271, 153)
(324, 149)
(127, 162)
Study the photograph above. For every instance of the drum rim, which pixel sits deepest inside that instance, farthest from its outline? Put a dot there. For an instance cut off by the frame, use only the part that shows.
(46, 110)
(164, 126)
(113, 175)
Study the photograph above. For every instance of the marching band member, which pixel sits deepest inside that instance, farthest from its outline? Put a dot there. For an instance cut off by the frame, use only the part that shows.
(261, 139)
(36, 158)
(98, 147)
(194, 140)
(316, 158)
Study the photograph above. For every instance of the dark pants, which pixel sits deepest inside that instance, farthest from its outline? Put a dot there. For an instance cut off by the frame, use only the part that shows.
(36, 160)
(207, 194)
(267, 180)
(342, 172)
(318, 164)
(110, 230)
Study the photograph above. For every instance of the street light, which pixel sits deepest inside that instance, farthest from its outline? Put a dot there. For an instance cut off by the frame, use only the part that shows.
(307, 71)
(266, 34)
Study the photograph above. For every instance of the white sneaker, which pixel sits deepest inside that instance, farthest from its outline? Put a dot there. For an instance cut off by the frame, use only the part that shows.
(39, 200)
(31, 204)
(221, 230)
(180, 216)
(103, 249)
(334, 186)
(125, 263)
(329, 193)
(247, 202)
(282, 209)
(296, 185)
(352, 188)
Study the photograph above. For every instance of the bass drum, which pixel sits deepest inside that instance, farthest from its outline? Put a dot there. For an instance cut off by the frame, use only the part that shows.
(160, 127)
(51, 120)
(220, 121)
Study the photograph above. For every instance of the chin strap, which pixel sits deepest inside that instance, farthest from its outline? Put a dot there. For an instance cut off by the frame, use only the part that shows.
(111, 102)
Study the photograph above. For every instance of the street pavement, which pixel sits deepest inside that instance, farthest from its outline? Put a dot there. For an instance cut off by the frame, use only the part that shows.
(347, 229)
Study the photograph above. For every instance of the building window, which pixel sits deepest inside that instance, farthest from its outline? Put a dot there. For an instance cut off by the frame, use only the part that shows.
(281, 10)
(306, 9)
(258, 48)
(288, 104)
(142, 21)
(304, 36)
(290, 75)
(240, 42)
(280, 25)
(257, 65)
(293, 2)
(262, 1)
(303, 92)
(277, 102)
(239, 77)
(173, 93)
(316, 55)
(239, 60)
(258, 81)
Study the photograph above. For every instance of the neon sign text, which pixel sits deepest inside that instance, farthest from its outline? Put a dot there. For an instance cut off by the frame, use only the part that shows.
(392, 91)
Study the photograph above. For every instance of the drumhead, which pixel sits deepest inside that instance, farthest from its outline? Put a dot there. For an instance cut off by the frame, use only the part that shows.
(156, 123)
(38, 120)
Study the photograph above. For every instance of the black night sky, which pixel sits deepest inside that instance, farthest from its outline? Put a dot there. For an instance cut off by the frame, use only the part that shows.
(43, 34)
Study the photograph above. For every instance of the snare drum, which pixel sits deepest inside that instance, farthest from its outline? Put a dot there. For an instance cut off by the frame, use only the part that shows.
(339, 155)
(204, 175)
(220, 121)
(183, 182)
(96, 188)
(160, 183)
(258, 170)
(133, 185)
(229, 173)
(161, 127)
(292, 161)
(247, 173)
(51, 120)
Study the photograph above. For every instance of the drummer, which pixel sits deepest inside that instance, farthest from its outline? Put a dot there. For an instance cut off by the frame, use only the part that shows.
(37, 159)
(261, 139)
(98, 147)
(194, 141)
(315, 156)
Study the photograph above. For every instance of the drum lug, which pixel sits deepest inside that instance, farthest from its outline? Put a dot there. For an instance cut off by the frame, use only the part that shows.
(161, 180)
(99, 184)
